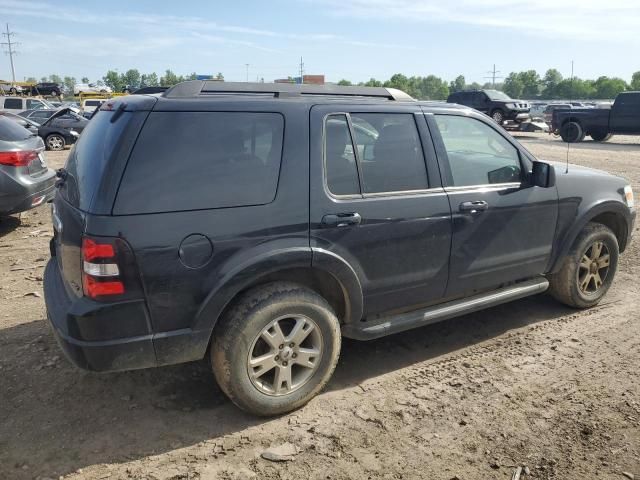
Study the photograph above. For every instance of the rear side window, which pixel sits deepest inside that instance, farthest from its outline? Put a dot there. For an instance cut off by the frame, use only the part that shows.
(202, 160)
(13, 103)
(11, 131)
(388, 154)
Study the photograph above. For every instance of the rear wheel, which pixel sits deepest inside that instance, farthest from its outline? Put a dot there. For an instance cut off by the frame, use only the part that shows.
(571, 132)
(498, 116)
(55, 142)
(276, 348)
(588, 270)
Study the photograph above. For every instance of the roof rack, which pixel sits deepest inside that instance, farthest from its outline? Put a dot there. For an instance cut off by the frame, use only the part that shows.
(195, 88)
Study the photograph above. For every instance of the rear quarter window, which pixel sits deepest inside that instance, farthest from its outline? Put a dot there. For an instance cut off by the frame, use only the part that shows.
(202, 160)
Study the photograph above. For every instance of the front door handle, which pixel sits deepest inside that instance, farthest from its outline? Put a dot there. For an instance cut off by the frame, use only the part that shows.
(341, 219)
(474, 207)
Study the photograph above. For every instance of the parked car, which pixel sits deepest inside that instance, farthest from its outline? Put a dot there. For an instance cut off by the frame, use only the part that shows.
(25, 180)
(496, 104)
(19, 104)
(69, 120)
(79, 88)
(46, 88)
(549, 109)
(623, 118)
(55, 136)
(88, 106)
(266, 228)
(10, 89)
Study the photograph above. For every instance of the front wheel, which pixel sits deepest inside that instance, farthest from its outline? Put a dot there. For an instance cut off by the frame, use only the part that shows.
(276, 348)
(55, 142)
(588, 269)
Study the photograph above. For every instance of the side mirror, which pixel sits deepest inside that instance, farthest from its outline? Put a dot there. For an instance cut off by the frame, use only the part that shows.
(543, 175)
(22, 123)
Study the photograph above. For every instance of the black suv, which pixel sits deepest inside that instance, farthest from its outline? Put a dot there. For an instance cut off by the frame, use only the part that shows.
(496, 104)
(45, 88)
(257, 224)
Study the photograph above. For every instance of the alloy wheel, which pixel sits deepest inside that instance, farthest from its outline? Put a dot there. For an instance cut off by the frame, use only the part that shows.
(593, 268)
(285, 355)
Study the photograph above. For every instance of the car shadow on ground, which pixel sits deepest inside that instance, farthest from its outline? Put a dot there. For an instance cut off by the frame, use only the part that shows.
(8, 224)
(55, 418)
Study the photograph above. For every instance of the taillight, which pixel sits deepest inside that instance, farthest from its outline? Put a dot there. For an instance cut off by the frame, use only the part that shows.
(18, 159)
(100, 270)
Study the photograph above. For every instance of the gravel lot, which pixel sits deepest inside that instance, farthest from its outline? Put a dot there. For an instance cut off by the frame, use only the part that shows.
(530, 384)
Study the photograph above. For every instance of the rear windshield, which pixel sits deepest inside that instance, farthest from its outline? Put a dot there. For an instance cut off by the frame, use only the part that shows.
(11, 131)
(202, 160)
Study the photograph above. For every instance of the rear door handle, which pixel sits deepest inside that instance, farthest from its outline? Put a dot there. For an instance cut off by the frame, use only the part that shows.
(341, 219)
(474, 207)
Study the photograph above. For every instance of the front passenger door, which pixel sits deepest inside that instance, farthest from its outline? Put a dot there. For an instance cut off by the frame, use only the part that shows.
(503, 228)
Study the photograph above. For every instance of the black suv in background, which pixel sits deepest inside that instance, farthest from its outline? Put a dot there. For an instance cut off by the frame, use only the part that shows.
(496, 104)
(45, 88)
(280, 218)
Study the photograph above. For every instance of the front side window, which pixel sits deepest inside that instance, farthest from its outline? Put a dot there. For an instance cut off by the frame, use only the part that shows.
(477, 154)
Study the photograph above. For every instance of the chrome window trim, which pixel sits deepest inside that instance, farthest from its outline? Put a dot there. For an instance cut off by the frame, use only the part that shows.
(488, 187)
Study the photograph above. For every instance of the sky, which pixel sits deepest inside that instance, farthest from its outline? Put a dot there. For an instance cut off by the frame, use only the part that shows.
(352, 39)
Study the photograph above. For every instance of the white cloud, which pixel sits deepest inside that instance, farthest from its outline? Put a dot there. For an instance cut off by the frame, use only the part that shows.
(613, 20)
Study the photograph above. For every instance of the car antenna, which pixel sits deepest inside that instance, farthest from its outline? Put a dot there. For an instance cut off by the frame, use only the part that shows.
(570, 99)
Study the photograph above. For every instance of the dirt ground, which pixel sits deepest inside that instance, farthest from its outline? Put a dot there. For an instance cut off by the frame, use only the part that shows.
(530, 384)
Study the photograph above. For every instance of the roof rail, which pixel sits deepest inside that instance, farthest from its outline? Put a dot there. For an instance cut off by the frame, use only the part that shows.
(194, 88)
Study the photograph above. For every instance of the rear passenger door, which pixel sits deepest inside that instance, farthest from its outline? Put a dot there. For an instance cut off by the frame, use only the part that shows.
(376, 201)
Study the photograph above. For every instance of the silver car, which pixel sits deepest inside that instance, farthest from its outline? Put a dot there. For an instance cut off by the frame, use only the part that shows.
(25, 180)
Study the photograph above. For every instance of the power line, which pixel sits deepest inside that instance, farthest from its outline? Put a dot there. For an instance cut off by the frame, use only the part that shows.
(10, 51)
(493, 76)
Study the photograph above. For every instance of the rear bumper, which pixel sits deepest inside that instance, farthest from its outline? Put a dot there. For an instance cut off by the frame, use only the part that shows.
(116, 336)
(18, 197)
(95, 336)
(517, 116)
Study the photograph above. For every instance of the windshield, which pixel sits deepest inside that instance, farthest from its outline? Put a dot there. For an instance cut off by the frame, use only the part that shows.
(497, 95)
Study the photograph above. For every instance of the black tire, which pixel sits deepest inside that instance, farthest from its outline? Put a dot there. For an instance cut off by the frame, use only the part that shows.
(571, 132)
(55, 142)
(55, 93)
(600, 136)
(498, 116)
(564, 285)
(13, 91)
(236, 334)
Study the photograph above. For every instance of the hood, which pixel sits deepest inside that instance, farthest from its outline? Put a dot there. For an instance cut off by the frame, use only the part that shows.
(578, 170)
(59, 113)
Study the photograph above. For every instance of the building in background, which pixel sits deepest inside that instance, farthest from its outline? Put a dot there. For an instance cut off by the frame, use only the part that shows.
(307, 79)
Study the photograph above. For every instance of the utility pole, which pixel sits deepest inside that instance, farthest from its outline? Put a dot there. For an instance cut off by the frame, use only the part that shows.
(10, 50)
(301, 71)
(247, 65)
(493, 76)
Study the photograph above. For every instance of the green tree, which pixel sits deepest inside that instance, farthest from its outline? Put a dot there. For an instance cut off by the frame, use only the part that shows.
(635, 81)
(530, 83)
(69, 83)
(114, 80)
(55, 78)
(550, 82)
(192, 76)
(458, 84)
(149, 80)
(31, 80)
(475, 86)
(220, 77)
(399, 81)
(372, 82)
(609, 87)
(84, 79)
(345, 83)
(430, 88)
(132, 78)
(169, 79)
(513, 86)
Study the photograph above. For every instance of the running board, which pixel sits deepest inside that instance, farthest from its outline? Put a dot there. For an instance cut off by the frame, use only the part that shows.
(444, 311)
